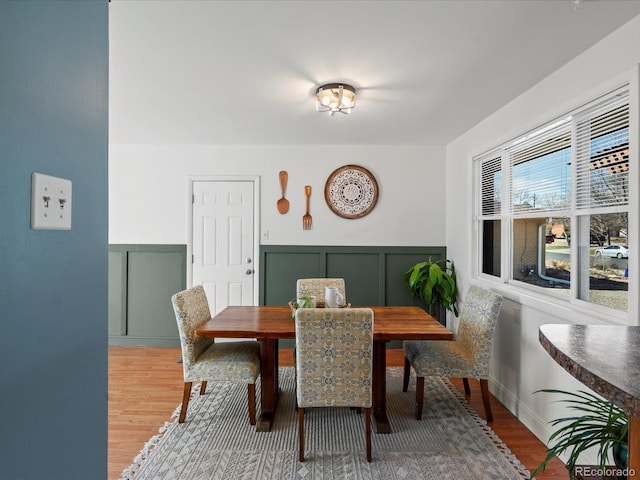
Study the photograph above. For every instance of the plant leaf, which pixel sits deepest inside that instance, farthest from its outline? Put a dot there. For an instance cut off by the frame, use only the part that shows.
(601, 424)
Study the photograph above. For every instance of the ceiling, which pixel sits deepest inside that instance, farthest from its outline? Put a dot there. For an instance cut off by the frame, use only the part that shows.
(245, 72)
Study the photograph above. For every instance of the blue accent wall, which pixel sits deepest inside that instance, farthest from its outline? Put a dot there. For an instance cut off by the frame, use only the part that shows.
(53, 284)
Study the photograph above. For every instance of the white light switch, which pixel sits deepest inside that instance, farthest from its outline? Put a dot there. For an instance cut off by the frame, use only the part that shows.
(50, 202)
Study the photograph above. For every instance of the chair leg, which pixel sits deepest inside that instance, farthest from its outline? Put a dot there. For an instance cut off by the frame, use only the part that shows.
(301, 433)
(295, 380)
(251, 394)
(407, 373)
(465, 382)
(484, 388)
(203, 387)
(185, 401)
(419, 397)
(367, 422)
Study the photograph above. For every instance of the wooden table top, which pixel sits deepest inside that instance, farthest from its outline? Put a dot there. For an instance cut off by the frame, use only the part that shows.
(389, 323)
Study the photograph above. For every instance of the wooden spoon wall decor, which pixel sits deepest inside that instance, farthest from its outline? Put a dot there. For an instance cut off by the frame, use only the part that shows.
(283, 203)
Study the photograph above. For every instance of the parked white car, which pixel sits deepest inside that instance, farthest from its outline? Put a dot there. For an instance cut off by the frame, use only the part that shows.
(618, 251)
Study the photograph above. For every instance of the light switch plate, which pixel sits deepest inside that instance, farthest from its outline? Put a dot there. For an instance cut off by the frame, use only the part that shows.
(50, 202)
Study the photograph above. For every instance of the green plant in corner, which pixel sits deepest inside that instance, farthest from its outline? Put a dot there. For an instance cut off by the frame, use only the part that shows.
(599, 424)
(434, 283)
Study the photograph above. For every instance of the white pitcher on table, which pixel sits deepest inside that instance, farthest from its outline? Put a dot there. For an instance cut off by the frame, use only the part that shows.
(332, 297)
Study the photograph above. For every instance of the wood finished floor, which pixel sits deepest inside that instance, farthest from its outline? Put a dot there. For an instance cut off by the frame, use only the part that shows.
(145, 387)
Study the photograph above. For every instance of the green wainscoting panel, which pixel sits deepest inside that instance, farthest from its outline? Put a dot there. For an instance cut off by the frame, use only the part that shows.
(373, 275)
(142, 279)
(117, 314)
(361, 272)
(280, 270)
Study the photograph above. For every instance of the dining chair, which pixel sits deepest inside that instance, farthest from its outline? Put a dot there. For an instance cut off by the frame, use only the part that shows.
(334, 352)
(205, 360)
(466, 357)
(316, 287)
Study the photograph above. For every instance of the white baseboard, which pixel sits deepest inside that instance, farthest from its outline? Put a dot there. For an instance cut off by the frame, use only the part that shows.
(528, 418)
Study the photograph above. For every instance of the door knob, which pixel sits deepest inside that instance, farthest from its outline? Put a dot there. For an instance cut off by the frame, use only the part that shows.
(249, 272)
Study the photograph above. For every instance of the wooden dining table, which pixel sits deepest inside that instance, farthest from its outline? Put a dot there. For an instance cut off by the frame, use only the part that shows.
(268, 324)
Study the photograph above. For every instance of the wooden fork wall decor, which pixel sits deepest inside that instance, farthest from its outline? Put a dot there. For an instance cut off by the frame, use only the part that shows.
(306, 218)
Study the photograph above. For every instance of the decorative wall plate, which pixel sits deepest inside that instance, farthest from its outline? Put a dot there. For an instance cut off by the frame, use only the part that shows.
(351, 191)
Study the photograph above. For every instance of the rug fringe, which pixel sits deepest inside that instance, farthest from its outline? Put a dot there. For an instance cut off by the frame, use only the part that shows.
(129, 472)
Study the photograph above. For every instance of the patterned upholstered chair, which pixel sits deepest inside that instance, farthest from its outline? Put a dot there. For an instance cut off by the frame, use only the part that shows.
(204, 360)
(334, 350)
(316, 286)
(467, 356)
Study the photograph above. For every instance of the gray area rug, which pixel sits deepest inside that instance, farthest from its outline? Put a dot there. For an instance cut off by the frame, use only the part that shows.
(217, 442)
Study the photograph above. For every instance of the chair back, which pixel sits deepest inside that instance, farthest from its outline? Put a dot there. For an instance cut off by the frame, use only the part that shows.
(316, 287)
(334, 352)
(477, 324)
(192, 310)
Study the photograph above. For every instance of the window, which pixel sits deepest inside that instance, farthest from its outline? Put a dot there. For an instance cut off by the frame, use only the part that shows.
(552, 207)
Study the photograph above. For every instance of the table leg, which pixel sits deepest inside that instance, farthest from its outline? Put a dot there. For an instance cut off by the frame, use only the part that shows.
(380, 418)
(634, 446)
(269, 383)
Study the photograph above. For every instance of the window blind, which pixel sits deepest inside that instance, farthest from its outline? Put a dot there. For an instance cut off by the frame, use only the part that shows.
(540, 170)
(489, 178)
(540, 164)
(602, 154)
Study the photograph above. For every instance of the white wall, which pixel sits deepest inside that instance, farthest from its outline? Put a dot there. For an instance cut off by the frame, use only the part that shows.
(520, 365)
(148, 187)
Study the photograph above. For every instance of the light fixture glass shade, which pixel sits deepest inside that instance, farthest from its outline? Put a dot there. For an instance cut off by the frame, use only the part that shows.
(335, 97)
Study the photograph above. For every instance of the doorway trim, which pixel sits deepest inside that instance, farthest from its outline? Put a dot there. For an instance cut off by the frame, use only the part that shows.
(255, 179)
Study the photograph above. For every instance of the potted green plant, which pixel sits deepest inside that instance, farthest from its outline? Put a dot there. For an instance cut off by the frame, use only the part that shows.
(305, 300)
(434, 283)
(599, 424)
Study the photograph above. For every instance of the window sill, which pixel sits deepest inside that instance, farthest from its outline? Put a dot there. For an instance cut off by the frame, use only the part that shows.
(555, 306)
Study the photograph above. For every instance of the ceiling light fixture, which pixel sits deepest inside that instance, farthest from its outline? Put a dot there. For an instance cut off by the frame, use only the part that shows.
(335, 97)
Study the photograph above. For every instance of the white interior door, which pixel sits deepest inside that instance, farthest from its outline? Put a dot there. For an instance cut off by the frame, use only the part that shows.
(223, 241)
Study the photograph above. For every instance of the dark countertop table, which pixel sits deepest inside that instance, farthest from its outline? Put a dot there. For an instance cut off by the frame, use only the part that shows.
(606, 358)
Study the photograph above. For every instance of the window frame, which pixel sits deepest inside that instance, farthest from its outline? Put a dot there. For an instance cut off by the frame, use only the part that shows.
(505, 282)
